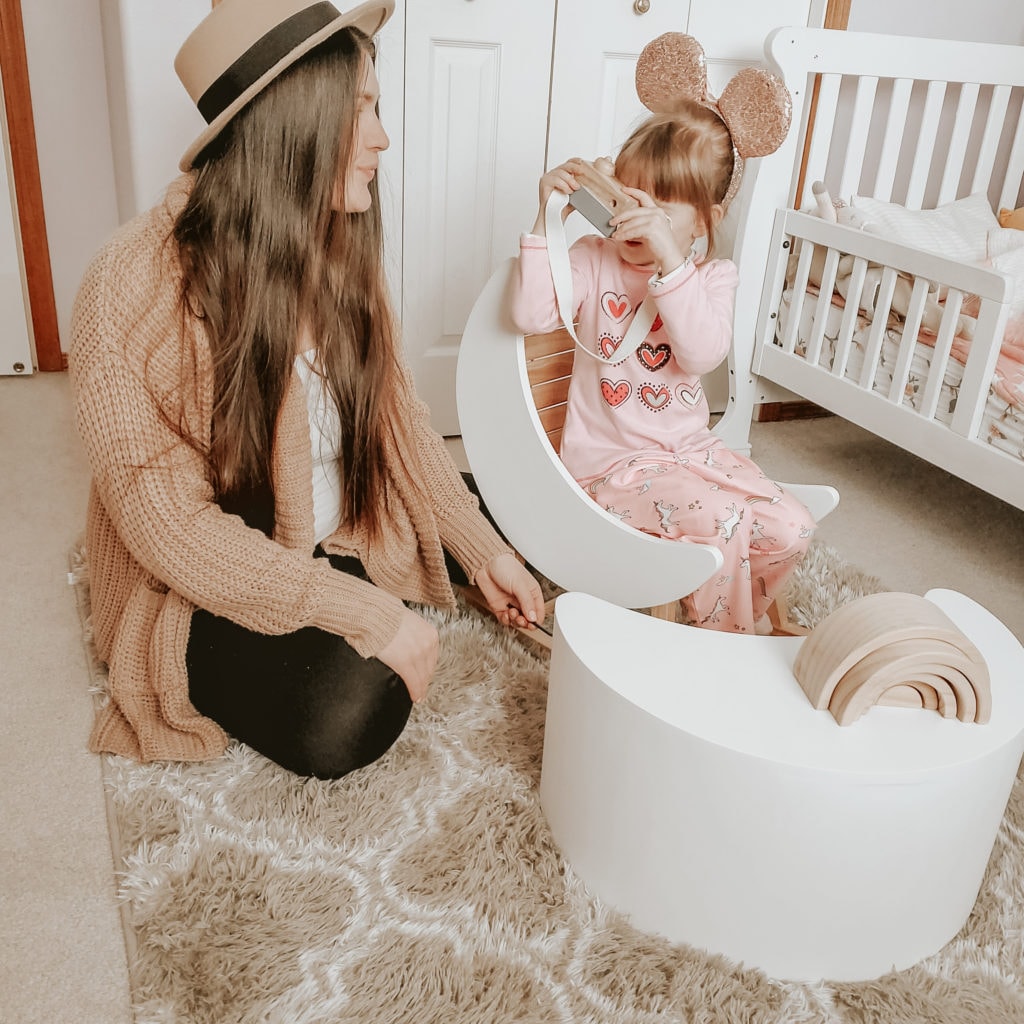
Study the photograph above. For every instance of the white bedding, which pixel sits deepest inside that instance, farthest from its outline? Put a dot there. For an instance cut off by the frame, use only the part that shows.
(1002, 424)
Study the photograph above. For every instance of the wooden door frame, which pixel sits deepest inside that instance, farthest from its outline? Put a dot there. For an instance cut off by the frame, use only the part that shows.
(28, 190)
(837, 14)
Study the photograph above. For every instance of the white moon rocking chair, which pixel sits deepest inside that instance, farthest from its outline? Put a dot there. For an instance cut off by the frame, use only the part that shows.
(511, 400)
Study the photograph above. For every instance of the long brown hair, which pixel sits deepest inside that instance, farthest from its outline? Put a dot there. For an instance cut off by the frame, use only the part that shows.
(263, 252)
(682, 157)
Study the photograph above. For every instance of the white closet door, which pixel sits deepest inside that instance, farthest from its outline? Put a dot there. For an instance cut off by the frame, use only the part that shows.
(15, 344)
(476, 95)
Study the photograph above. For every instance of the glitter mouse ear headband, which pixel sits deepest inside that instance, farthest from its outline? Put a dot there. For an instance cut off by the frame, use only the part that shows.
(755, 105)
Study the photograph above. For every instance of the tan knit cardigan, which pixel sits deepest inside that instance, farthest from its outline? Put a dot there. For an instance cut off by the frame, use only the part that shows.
(159, 546)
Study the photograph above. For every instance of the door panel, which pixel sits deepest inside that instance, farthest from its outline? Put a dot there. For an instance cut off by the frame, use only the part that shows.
(476, 92)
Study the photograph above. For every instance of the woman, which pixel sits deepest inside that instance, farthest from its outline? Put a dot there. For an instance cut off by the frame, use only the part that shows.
(266, 490)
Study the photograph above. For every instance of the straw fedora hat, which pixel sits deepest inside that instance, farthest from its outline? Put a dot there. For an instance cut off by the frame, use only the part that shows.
(241, 46)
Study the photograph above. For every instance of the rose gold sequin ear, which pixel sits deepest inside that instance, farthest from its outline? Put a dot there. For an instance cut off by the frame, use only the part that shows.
(757, 109)
(755, 106)
(670, 68)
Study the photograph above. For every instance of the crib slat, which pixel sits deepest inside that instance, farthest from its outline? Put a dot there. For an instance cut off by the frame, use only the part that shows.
(895, 127)
(799, 292)
(1015, 168)
(940, 355)
(822, 307)
(957, 147)
(981, 363)
(860, 122)
(850, 314)
(908, 342)
(925, 144)
(990, 140)
(821, 139)
(879, 323)
(772, 290)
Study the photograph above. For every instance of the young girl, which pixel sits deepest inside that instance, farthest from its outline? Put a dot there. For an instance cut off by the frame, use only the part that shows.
(636, 431)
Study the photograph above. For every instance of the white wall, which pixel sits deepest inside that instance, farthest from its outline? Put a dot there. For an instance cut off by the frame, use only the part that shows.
(152, 118)
(66, 77)
(973, 21)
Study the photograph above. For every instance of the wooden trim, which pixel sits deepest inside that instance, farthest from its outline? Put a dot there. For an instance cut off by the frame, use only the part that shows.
(28, 190)
(837, 16)
(775, 412)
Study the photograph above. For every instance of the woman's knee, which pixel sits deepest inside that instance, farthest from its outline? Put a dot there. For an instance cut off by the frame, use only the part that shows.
(346, 728)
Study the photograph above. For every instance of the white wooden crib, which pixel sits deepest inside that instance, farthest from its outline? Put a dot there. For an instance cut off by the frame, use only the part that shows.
(918, 123)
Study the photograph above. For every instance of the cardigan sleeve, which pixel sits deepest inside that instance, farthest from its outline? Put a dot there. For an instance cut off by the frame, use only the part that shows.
(156, 490)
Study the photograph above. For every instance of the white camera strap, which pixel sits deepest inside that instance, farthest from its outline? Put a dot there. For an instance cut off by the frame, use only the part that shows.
(561, 276)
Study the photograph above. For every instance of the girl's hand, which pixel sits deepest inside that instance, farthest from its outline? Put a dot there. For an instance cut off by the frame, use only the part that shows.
(412, 653)
(558, 179)
(669, 240)
(511, 592)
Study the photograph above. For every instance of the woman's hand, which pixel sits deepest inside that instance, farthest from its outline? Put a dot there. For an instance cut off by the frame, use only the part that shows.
(412, 653)
(511, 592)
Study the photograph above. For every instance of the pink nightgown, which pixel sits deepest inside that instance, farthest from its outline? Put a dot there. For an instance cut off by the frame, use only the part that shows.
(636, 432)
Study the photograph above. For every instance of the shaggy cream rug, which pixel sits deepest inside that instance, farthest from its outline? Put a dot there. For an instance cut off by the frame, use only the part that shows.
(427, 888)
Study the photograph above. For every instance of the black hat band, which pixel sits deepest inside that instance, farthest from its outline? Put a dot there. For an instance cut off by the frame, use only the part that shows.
(262, 56)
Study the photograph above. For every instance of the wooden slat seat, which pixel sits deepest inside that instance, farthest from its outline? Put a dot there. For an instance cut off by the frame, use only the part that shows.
(549, 360)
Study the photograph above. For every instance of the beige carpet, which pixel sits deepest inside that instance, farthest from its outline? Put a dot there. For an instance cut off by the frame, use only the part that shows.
(426, 888)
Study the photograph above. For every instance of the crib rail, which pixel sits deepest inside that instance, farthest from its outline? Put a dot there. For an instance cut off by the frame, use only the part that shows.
(869, 368)
(919, 123)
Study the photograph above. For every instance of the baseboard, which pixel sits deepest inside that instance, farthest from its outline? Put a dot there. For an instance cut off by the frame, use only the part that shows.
(770, 412)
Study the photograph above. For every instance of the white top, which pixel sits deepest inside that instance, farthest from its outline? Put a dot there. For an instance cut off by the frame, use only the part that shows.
(325, 435)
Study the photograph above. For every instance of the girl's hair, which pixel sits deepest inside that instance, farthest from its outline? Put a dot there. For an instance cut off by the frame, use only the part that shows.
(263, 253)
(682, 157)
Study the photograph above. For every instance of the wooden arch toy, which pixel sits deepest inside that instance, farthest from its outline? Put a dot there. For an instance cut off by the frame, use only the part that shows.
(893, 649)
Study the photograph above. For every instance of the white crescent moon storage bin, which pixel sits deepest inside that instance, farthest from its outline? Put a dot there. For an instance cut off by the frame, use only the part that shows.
(690, 784)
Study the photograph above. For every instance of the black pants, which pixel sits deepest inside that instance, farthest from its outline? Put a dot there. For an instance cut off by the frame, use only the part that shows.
(306, 700)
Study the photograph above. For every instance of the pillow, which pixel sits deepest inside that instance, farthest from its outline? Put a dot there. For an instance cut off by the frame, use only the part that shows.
(1002, 240)
(958, 230)
(1012, 263)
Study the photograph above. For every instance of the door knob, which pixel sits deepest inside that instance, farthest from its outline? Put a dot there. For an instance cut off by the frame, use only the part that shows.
(641, 6)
